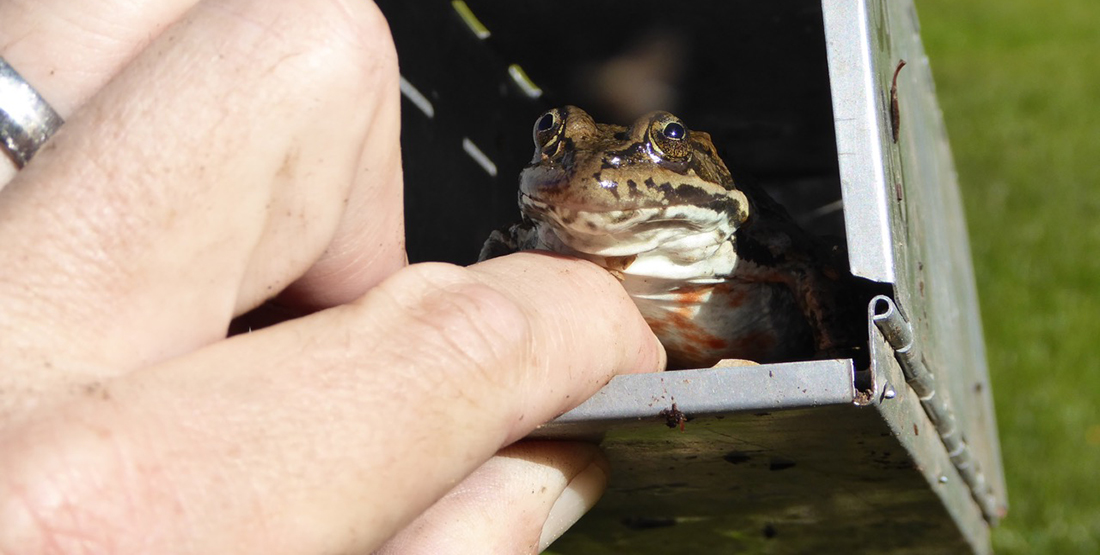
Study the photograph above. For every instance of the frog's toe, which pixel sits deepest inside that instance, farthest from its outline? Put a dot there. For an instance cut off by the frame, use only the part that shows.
(734, 362)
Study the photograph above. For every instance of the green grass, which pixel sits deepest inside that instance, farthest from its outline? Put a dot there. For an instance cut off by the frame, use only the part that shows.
(1019, 83)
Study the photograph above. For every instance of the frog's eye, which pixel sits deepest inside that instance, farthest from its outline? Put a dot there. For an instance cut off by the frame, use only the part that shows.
(668, 138)
(674, 131)
(547, 131)
(545, 123)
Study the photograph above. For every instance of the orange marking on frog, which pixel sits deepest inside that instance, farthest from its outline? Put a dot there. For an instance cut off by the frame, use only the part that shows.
(659, 327)
(695, 296)
(694, 334)
(689, 344)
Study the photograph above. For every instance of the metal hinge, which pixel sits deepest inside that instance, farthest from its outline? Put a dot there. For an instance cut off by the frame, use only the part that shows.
(899, 335)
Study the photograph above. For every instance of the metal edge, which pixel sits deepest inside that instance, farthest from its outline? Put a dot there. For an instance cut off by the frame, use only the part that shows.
(718, 390)
(859, 133)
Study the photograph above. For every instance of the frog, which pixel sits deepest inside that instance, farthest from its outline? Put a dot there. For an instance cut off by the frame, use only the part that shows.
(719, 270)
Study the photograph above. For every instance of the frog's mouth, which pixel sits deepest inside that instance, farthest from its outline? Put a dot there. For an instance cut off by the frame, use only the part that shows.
(630, 231)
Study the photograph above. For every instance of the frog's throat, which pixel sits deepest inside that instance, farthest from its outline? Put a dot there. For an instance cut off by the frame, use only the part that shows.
(673, 260)
(633, 231)
(679, 243)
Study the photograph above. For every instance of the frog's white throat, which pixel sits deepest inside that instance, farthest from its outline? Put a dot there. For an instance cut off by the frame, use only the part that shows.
(683, 243)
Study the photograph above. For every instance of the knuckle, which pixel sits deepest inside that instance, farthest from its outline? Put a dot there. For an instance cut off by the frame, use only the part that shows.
(351, 39)
(459, 321)
(317, 47)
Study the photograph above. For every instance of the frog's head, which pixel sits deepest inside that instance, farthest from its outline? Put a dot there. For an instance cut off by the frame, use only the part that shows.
(609, 190)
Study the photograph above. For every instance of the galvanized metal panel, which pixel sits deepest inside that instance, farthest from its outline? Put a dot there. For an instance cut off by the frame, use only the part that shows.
(928, 254)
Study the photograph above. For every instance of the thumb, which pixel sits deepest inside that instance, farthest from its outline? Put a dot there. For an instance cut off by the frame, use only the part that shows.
(519, 501)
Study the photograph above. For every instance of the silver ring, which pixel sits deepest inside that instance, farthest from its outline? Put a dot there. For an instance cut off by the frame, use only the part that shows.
(26, 120)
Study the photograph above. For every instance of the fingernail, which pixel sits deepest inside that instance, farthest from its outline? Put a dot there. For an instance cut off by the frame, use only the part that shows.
(579, 496)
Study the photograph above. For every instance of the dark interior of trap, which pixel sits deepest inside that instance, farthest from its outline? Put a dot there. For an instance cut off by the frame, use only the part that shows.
(753, 74)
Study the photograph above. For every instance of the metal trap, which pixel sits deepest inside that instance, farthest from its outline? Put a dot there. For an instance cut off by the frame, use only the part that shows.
(897, 454)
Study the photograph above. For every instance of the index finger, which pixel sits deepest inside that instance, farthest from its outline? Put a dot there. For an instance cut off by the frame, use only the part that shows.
(331, 432)
(68, 50)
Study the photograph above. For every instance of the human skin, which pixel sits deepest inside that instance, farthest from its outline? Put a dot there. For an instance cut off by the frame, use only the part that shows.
(215, 155)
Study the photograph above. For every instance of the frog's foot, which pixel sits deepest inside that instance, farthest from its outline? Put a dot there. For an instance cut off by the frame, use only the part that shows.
(499, 243)
(734, 362)
(518, 237)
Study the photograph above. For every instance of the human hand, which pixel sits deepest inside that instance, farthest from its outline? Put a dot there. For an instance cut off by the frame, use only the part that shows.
(217, 153)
